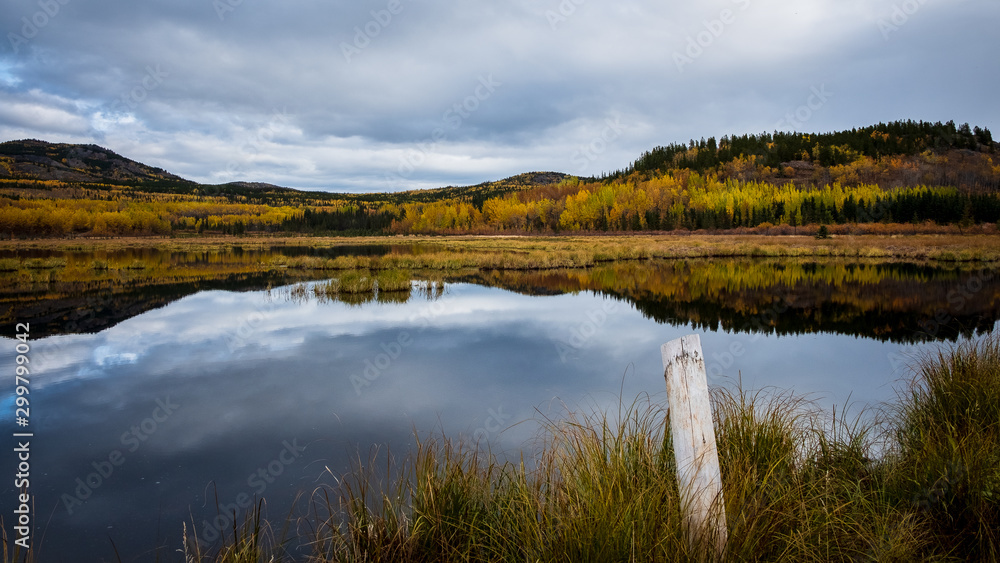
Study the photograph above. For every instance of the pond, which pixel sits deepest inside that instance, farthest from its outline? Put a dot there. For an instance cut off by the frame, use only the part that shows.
(183, 402)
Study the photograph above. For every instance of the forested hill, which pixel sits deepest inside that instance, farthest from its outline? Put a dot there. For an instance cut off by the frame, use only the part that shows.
(898, 138)
(95, 167)
(32, 159)
(91, 164)
(896, 177)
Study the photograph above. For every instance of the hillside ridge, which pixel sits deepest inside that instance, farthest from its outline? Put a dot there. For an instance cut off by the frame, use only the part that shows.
(32, 159)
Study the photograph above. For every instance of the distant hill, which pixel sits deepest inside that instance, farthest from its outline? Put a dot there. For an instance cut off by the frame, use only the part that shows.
(778, 149)
(930, 176)
(481, 192)
(32, 159)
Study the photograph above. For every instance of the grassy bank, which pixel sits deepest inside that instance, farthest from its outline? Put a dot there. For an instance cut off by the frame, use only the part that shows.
(562, 251)
(919, 483)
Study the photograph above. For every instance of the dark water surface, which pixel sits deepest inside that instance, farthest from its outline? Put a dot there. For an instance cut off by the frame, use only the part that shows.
(217, 396)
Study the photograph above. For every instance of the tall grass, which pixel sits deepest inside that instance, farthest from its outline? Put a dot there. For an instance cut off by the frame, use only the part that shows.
(250, 539)
(50, 263)
(356, 287)
(357, 282)
(918, 482)
(393, 280)
(947, 431)
(10, 552)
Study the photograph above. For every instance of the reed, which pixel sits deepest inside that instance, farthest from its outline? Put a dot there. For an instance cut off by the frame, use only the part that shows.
(800, 484)
(11, 552)
(947, 449)
(250, 539)
(393, 281)
(357, 282)
(50, 263)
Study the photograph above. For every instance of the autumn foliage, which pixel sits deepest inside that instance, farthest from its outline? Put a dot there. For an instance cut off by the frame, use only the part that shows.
(901, 173)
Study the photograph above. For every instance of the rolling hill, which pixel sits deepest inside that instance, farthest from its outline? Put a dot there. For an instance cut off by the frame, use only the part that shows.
(925, 175)
(40, 161)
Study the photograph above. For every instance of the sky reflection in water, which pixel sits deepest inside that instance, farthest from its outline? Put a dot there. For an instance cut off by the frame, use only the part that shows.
(216, 393)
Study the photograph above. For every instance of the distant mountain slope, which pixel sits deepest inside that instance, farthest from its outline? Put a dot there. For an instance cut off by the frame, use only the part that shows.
(930, 176)
(800, 158)
(825, 149)
(32, 159)
(481, 192)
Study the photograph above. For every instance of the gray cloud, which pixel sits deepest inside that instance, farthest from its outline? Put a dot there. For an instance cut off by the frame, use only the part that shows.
(368, 89)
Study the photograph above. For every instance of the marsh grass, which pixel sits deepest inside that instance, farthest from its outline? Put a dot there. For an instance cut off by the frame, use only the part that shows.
(942, 246)
(249, 539)
(393, 281)
(429, 289)
(918, 481)
(298, 293)
(51, 263)
(357, 282)
(547, 253)
(604, 488)
(11, 552)
(947, 431)
(357, 287)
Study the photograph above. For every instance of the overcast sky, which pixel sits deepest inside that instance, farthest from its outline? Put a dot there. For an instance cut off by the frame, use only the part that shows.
(395, 94)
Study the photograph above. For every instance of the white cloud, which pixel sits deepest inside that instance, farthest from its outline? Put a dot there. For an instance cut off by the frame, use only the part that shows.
(349, 122)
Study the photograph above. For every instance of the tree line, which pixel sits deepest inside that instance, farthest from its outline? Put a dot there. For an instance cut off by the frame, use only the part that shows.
(901, 172)
(826, 149)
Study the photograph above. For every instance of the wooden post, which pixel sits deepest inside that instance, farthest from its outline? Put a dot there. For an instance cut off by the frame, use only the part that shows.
(698, 475)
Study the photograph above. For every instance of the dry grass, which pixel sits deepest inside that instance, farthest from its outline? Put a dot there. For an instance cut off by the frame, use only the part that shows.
(799, 485)
(526, 253)
(575, 250)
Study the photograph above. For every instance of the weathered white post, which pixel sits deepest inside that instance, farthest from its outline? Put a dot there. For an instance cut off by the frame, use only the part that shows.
(698, 475)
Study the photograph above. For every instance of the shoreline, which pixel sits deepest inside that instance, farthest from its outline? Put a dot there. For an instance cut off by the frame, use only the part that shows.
(934, 247)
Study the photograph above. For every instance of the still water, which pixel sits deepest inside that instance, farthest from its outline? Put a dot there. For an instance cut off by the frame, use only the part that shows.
(217, 398)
